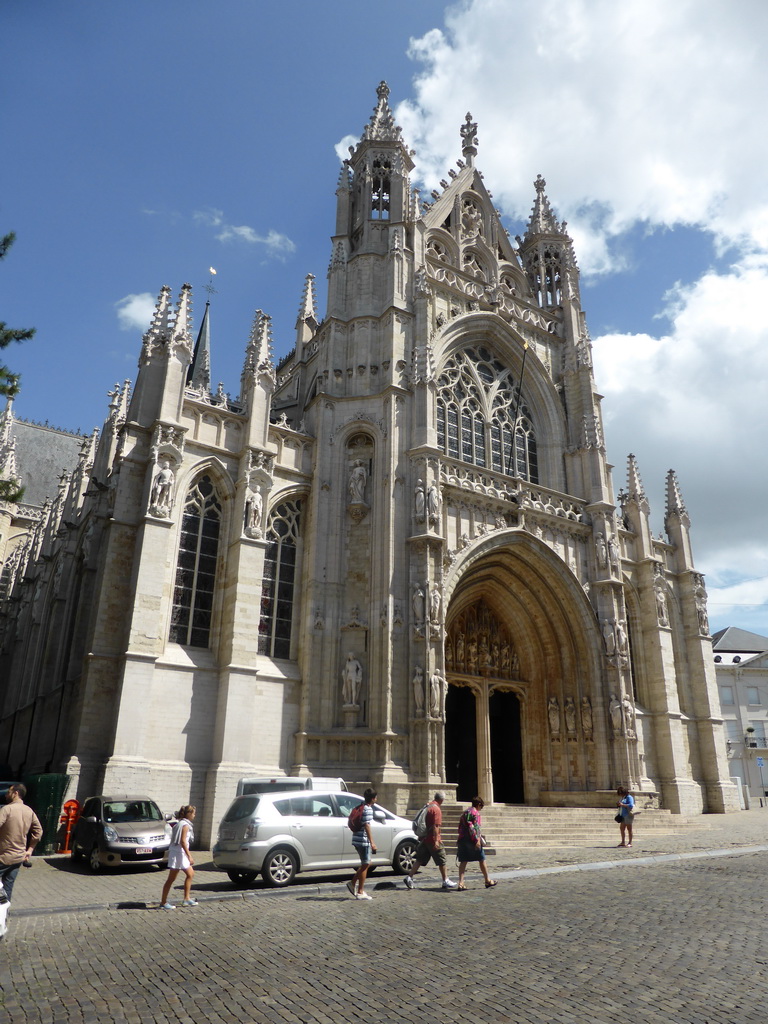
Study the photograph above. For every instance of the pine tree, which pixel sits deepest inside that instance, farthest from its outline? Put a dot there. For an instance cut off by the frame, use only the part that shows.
(9, 382)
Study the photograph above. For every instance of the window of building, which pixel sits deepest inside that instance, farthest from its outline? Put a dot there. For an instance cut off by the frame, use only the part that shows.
(753, 695)
(726, 695)
(192, 609)
(733, 730)
(758, 735)
(476, 405)
(380, 186)
(278, 584)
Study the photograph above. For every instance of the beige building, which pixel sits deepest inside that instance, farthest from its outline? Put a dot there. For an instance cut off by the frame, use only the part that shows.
(397, 556)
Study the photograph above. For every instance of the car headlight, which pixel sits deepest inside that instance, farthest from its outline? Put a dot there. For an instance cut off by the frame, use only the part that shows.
(110, 834)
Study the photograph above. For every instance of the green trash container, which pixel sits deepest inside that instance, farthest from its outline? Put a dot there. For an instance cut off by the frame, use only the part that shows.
(45, 795)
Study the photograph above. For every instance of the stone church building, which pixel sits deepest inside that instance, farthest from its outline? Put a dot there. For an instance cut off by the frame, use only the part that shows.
(396, 556)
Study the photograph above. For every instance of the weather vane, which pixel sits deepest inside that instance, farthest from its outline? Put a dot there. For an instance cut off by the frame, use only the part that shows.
(209, 287)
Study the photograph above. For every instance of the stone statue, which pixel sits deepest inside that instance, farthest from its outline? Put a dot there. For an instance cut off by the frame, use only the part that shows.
(356, 485)
(435, 689)
(418, 603)
(622, 641)
(506, 660)
(418, 689)
(700, 596)
(433, 503)
(609, 636)
(615, 711)
(254, 504)
(661, 605)
(553, 714)
(586, 718)
(613, 552)
(419, 501)
(628, 714)
(602, 551)
(435, 605)
(569, 709)
(472, 656)
(460, 651)
(352, 680)
(162, 490)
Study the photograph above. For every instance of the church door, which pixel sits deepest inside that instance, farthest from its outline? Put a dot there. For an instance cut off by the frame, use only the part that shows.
(506, 747)
(461, 741)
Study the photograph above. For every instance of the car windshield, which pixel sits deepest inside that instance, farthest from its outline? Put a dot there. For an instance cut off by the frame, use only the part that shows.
(242, 807)
(131, 810)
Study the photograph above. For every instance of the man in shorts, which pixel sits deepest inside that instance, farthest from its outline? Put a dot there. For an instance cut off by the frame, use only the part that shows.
(362, 840)
(431, 845)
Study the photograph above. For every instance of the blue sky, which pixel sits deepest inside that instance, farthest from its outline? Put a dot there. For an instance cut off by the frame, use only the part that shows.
(149, 141)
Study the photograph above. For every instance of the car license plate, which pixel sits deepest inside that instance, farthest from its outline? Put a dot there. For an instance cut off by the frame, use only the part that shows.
(144, 849)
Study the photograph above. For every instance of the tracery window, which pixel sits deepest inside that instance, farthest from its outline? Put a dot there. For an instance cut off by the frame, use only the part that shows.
(476, 405)
(279, 582)
(380, 186)
(192, 609)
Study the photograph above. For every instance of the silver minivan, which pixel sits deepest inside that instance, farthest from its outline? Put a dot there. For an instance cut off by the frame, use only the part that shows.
(282, 834)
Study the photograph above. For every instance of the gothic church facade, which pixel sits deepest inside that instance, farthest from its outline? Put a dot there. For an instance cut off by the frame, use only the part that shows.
(396, 557)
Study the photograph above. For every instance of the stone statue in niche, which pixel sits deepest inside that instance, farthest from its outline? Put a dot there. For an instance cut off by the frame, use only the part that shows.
(569, 709)
(613, 553)
(472, 655)
(622, 641)
(609, 636)
(435, 606)
(601, 549)
(553, 716)
(433, 503)
(586, 718)
(661, 604)
(352, 681)
(506, 659)
(418, 690)
(254, 504)
(616, 713)
(419, 501)
(435, 690)
(628, 714)
(161, 499)
(460, 651)
(358, 477)
(418, 603)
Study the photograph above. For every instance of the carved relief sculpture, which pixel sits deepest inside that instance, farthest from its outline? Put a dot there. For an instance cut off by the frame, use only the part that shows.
(352, 681)
(161, 498)
(418, 690)
(553, 716)
(586, 718)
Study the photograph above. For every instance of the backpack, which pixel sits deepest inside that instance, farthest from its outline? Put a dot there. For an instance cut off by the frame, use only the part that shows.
(355, 819)
(419, 823)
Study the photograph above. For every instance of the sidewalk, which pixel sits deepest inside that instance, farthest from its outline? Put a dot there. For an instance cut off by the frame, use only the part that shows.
(54, 884)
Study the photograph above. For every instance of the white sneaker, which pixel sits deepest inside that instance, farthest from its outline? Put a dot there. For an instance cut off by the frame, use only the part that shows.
(363, 896)
(167, 906)
(408, 882)
(448, 884)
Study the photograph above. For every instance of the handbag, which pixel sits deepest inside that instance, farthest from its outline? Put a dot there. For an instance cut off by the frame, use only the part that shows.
(618, 819)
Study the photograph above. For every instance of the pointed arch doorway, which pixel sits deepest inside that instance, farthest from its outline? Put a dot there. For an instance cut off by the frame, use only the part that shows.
(483, 735)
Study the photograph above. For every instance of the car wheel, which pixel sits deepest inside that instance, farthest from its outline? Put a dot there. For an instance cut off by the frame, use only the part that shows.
(94, 863)
(242, 877)
(279, 868)
(405, 857)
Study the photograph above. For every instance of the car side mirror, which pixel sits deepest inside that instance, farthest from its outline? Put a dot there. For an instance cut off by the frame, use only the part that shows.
(92, 819)
(380, 816)
(168, 817)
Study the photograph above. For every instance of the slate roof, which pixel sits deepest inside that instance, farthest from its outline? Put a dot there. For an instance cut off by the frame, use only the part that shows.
(42, 455)
(734, 639)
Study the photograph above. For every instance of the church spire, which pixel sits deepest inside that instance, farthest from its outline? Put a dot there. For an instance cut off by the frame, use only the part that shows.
(306, 322)
(546, 251)
(675, 506)
(635, 490)
(199, 373)
(382, 127)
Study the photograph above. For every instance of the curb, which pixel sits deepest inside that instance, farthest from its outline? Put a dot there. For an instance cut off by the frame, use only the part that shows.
(507, 875)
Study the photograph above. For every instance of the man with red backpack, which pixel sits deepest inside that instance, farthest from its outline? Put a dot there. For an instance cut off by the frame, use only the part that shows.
(362, 840)
(431, 845)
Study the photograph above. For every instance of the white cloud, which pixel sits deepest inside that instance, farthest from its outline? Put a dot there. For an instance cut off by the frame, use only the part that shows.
(134, 312)
(275, 243)
(342, 146)
(651, 110)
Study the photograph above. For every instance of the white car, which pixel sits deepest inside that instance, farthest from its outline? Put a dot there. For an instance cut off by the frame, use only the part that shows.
(282, 834)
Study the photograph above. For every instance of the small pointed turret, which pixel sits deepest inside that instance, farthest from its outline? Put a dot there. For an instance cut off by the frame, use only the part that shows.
(469, 140)
(675, 505)
(199, 373)
(382, 127)
(306, 322)
(635, 489)
(677, 523)
(182, 328)
(546, 251)
(636, 509)
(8, 469)
(258, 352)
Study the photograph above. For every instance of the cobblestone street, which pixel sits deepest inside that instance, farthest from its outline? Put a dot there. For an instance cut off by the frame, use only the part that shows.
(679, 942)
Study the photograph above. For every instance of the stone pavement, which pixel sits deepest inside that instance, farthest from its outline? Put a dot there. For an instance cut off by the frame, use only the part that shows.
(55, 883)
(672, 942)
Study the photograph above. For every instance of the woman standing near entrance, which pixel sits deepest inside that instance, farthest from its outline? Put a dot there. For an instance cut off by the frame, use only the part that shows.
(627, 811)
(470, 846)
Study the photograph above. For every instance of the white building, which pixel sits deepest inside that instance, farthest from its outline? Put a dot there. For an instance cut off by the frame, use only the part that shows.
(741, 664)
(396, 556)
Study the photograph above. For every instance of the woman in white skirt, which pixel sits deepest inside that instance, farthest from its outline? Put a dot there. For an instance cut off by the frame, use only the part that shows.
(179, 857)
